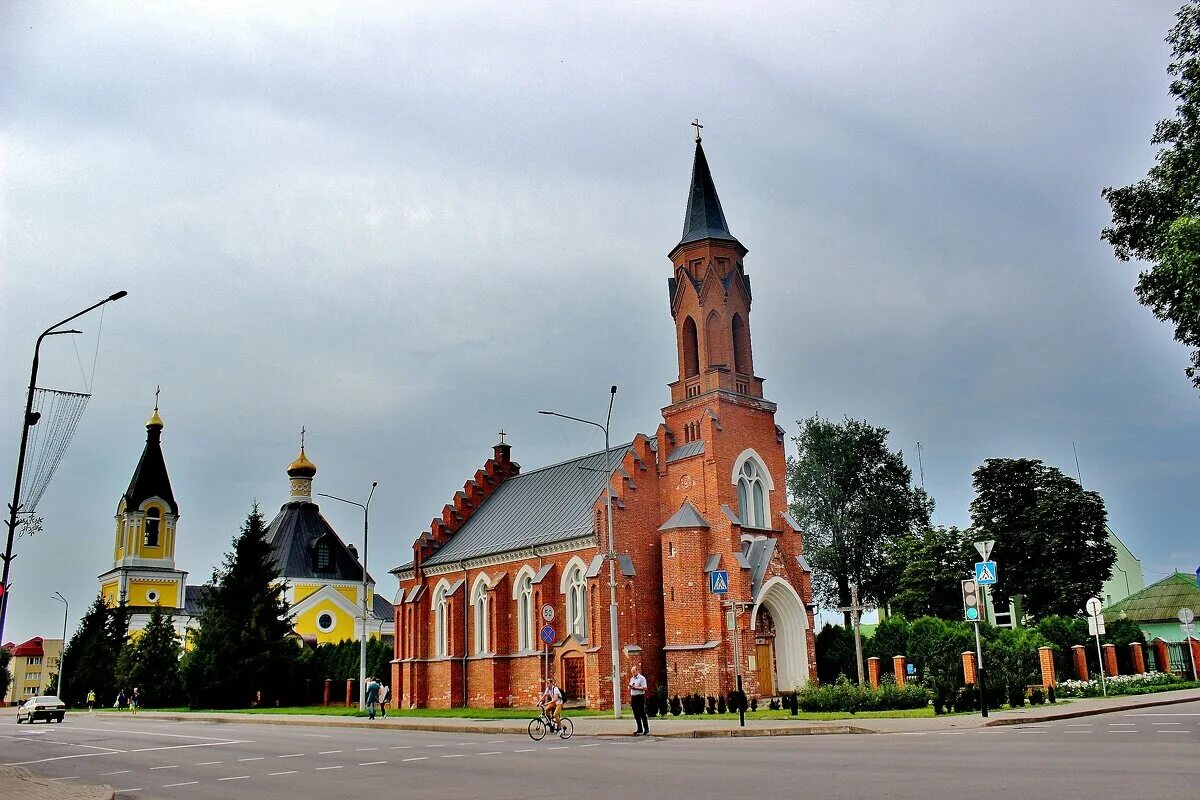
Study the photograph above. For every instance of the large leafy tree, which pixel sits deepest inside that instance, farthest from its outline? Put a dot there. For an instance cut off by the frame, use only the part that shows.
(932, 566)
(90, 656)
(243, 647)
(1051, 535)
(151, 662)
(1157, 218)
(852, 496)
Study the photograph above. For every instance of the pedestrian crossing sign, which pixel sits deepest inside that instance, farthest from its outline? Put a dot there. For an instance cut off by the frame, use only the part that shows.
(985, 573)
(718, 581)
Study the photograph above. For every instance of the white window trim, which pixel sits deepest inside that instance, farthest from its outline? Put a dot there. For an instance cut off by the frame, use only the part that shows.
(441, 630)
(577, 607)
(480, 607)
(764, 476)
(332, 620)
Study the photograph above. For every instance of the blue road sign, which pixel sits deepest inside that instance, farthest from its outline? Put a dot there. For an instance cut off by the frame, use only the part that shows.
(718, 581)
(548, 634)
(985, 573)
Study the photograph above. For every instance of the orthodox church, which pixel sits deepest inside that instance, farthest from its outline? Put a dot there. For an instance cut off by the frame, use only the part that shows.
(321, 573)
(510, 579)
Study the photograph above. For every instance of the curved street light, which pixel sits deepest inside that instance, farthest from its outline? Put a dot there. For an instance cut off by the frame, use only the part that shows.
(58, 596)
(28, 422)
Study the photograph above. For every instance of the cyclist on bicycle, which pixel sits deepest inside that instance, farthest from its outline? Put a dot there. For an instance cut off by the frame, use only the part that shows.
(552, 703)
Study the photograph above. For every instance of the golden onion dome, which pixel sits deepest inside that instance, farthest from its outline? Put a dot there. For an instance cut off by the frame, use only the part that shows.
(302, 467)
(155, 420)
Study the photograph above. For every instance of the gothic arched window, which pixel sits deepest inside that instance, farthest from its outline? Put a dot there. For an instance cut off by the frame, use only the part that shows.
(691, 349)
(577, 605)
(714, 347)
(479, 608)
(441, 621)
(524, 592)
(153, 521)
(741, 346)
(752, 495)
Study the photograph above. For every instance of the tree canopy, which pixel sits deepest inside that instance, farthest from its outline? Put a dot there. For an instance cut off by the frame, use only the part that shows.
(1157, 219)
(151, 662)
(1051, 535)
(852, 496)
(932, 566)
(91, 654)
(243, 646)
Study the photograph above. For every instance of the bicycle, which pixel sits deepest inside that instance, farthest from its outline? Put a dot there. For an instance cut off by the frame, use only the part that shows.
(541, 724)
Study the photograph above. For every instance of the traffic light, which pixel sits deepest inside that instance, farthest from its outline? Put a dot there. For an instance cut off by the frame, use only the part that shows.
(970, 592)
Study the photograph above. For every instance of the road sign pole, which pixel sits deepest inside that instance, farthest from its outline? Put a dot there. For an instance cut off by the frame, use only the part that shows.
(737, 660)
(1100, 657)
(982, 674)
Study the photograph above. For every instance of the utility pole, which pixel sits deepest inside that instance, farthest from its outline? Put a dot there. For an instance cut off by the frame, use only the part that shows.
(855, 611)
(66, 606)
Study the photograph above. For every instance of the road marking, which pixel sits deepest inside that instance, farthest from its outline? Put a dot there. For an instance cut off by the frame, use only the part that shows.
(208, 763)
(496, 741)
(68, 778)
(913, 733)
(1166, 723)
(371, 763)
(185, 783)
(951, 733)
(321, 768)
(1122, 724)
(151, 733)
(491, 753)
(364, 749)
(256, 758)
(418, 758)
(122, 791)
(1167, 714)
(234, 778)
(1122, 731)
(184, 746)
(168, 766)
(526, 750)
(285, 772)
(589, 745)
(328, 752)
(454, 755)
(465, 744)
(435, 745)
(1078, 731)
(292, 755)
(402, 747)
(319, 735)
(118, 772)
(1174, 731)
(560, 747)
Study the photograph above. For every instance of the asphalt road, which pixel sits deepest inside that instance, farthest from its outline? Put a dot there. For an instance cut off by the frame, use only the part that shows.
(1155, 752)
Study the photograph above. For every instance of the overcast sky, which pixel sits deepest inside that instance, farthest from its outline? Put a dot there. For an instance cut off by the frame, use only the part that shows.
(405, 226)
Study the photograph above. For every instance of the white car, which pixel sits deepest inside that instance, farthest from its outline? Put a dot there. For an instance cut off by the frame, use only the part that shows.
(47, 707)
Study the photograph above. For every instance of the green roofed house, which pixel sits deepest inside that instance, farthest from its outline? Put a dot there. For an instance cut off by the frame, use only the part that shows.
(1156, 607)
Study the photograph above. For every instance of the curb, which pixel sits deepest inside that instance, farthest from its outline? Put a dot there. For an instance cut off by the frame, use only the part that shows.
(696, 733)
(1090, 712)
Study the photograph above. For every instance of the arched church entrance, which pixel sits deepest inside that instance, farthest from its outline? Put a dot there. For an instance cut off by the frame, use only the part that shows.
(780, 625)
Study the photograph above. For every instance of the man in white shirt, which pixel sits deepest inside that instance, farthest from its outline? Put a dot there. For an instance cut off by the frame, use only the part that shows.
(637, 699)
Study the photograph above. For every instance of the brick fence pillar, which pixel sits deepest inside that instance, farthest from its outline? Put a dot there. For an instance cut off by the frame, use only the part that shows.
(1195, 645)
(968, 659)
(328, 688)
(1080, 655)
(873, 671)
(349, 691)
(1110, 659)
(1139, 658)
(1046, 662)
(900, 667)
(1162, 658)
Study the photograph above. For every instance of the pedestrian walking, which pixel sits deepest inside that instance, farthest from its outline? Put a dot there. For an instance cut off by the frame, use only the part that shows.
(372, 697)
(135, 700)
(384, 693)
(637, 699)
(119, 703)
(91, 699)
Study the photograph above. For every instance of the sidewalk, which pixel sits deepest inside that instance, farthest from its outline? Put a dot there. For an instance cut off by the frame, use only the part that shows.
(699, 727)
(17, 784)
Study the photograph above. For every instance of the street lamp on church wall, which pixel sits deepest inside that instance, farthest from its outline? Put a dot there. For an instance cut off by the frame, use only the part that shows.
(611, 554)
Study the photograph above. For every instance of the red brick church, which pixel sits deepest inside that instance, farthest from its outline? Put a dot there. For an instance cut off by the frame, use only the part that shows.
(705, 492)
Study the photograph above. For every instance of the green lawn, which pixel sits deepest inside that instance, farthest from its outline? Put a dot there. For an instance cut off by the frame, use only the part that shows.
(782, 714)
(342, 711)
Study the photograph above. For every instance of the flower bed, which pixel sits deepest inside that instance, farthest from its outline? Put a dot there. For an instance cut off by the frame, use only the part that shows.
(1123, 684)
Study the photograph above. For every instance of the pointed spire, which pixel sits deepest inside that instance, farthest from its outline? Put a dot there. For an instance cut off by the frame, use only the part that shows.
(150, 478)
(155, 420)
(704, 218)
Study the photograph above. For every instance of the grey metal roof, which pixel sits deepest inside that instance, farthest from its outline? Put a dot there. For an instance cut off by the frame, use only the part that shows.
(685, 451)
(704, 218)
(381, 607)
(293, 535)
(547, 505)
(686, 517)
(191, 599)
(714, 561)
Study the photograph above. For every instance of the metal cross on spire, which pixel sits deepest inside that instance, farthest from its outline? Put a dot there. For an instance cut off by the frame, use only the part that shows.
(502, 434)
(302, 432)
(157, 389)
(696, 124)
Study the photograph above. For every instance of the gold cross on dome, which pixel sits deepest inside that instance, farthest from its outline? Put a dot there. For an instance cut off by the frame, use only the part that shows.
(696, 124)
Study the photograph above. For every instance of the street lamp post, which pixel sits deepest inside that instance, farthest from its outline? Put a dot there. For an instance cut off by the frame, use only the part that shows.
(63, 652)
(362, 649)
(612, 552)
(28, 422)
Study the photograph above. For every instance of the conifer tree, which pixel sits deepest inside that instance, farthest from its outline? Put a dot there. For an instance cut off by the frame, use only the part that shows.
(242, 647)
(90, 657)
(151, 662)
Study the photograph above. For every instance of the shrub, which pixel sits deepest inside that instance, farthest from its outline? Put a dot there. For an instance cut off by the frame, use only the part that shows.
(754, 704)
(835, 653)
(1121, 684)
(721, 707)
(1037, 696)
(676, 706)
(711, 705)
(773, 704)
(844, 696)
(1050, 695)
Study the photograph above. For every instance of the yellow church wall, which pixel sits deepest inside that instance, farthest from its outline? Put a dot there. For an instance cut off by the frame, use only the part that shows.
(348, 592)
(303, 590)
(168, 593)
(343, 624)
(109, 592)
